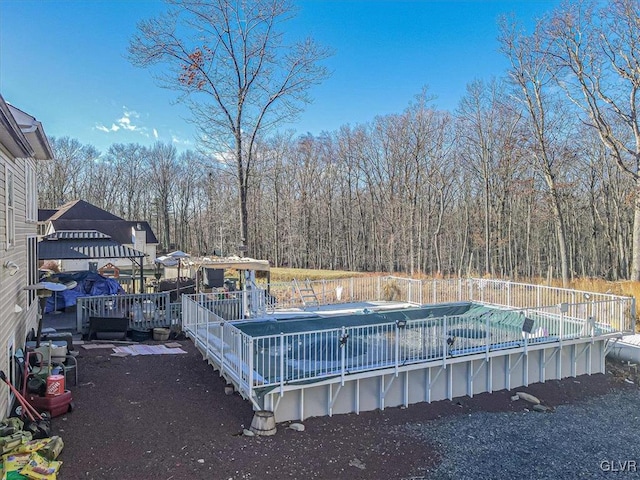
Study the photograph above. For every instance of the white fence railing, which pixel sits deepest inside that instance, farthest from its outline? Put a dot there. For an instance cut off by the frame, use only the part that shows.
(312, 355)
(153, 310)
(144, 310)
(345, 290)
(283, 295)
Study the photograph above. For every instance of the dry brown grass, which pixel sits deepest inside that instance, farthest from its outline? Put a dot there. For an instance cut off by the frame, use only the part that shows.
(623, 287)
(288, 274)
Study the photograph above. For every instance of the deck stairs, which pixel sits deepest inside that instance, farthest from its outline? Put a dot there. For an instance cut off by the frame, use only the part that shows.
(306, 293)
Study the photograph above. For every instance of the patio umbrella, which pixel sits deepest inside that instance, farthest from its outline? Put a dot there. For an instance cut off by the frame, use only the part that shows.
(166, 261)
(178, 255)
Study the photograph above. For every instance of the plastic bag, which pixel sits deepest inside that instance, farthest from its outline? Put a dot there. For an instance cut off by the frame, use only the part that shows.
(53, 448)
(32, 446)
(39, 468)
(14, 462)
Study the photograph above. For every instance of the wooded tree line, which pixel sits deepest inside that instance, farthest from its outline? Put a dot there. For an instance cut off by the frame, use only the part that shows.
(534, 173)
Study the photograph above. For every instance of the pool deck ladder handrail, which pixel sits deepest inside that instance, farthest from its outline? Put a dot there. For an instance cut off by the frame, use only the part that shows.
(307, 293)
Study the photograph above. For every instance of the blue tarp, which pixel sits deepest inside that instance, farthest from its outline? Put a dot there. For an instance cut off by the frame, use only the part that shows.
(89, 284)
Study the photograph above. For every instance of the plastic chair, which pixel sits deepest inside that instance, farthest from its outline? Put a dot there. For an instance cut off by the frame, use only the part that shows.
(70, 364)
(40, 365)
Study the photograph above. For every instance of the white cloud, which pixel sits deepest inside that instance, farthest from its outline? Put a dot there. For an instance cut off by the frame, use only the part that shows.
(126, 122)
(130, 121)
(102, 128)
(179, 141)
(224, 158)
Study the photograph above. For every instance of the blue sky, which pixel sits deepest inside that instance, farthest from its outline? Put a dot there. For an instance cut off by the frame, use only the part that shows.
(65, 63)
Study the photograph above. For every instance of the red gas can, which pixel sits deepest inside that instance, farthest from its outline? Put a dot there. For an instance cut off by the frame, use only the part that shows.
(55, 385)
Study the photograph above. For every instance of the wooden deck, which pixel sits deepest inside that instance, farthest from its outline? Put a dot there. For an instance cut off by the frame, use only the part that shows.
(62, 321)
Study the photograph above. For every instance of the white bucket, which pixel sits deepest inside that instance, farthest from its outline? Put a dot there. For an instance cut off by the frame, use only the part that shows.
(58, 353)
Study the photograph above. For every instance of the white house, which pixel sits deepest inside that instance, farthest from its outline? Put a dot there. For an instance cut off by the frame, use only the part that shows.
(22, 144)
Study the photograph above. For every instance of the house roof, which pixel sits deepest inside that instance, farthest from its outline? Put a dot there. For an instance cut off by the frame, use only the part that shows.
(78, 245)
(81, 210)
(239, 263)
(76, 235)
(45, 214)
(81, 216)
(118, 230)
(21, 134)
(34, 133)
(10, 135)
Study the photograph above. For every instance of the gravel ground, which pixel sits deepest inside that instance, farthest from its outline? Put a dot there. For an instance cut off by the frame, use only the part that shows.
(168, 418)
(588, 439)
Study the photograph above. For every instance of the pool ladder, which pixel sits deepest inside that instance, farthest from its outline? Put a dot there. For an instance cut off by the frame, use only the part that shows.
(306, 292)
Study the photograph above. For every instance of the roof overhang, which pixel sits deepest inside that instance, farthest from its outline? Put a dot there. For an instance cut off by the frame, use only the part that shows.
(84, 249)
(34, 134)
(238, 263)
(89, 235)
(11, 136)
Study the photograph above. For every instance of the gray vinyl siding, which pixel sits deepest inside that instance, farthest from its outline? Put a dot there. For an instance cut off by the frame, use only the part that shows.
(14, 325)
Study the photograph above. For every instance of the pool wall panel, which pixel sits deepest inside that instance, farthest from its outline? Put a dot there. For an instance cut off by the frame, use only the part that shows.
(512, 370)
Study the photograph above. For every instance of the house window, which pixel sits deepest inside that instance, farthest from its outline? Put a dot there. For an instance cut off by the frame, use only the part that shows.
(10, 207)
(32, 267)
(31, 193)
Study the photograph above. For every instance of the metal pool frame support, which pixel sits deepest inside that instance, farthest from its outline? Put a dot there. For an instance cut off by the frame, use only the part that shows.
(453, 377)
(587, 332)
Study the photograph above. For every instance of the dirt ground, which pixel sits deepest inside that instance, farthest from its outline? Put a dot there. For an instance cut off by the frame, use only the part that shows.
(167, 417)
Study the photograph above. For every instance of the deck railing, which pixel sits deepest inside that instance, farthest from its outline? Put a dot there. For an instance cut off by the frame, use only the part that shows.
(278, 360)
(391, 288)
(144, 310)
(345, 290)
(254, 362)
(149, 310)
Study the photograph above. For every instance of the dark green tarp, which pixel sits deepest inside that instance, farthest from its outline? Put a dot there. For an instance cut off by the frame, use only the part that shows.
(259, 328)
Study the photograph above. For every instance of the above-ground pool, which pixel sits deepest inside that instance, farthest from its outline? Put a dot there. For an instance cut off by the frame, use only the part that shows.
(377, 352)
(312, 348)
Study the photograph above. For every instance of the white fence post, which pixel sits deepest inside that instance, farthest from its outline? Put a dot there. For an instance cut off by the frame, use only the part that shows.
(281, 364)
(343, 355)
(324, 292)
(222, 358)
(250, 353)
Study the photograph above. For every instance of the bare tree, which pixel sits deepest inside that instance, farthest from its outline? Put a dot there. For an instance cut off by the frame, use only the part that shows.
(100, 186)
(274, 185)
(593, 52)
(183, 198)
(61, 179)
(233, 67)
(545, 121)
(486, 131)
(163, 174)
(127, 163)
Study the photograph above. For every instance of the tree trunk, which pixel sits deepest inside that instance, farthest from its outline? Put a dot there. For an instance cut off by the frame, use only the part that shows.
(635, 260)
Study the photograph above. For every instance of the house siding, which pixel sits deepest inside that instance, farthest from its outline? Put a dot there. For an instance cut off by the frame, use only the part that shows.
(14, 326)
(19, 315)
